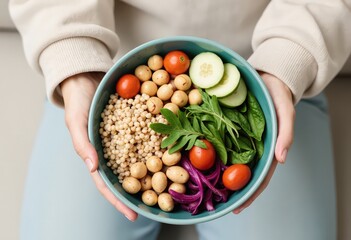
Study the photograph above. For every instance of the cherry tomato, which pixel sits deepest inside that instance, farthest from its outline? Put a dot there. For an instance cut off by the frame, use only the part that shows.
(128, 86)
(201, 158)
(176, 62)
(236, 176)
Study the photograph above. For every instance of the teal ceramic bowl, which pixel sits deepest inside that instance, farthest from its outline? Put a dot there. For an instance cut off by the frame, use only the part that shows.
(192, 46)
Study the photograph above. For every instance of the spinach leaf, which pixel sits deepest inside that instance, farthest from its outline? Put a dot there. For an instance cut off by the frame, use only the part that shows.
(242, 157)
(255, 117)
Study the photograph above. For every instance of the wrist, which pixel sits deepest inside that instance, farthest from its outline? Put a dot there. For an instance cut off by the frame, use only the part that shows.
(83, 82)
(273, 82)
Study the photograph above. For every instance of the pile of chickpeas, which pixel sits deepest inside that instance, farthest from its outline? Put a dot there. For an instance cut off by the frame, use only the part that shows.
(132, 149)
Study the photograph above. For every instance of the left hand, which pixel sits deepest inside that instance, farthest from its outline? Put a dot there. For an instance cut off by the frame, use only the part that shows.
(285, 110)
(78, 92)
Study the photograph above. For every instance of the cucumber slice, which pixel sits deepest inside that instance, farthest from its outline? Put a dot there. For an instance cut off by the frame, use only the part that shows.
(206, 70)
(228, 83)
(237, 97)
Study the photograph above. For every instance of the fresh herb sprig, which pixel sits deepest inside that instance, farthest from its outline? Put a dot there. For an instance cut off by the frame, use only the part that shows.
(210, 110)
(179, 130)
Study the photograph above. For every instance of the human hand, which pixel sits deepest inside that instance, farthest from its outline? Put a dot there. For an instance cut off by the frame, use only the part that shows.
(78, 92)
(284, 107)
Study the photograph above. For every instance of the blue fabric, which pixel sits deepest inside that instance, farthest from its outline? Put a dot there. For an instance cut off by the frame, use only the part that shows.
(61, 201)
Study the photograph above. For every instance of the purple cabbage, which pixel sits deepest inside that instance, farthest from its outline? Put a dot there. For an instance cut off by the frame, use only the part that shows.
(204, 188)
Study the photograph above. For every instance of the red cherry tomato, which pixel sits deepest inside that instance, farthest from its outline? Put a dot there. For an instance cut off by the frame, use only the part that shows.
(236, 176)
(128, 86)
(176, 62)
(201, 158)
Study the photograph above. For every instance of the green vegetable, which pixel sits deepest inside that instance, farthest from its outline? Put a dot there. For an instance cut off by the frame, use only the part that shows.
(255, 117)
(206, 70)
(228, 83)
(237, 97)
(179, 130)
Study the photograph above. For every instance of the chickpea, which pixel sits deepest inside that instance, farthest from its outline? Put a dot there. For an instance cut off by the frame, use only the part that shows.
(154, 105)
(138, 170)
(160, 77)
(179, 98)
(195, 97)
(145, 183)
(177, 187)
(165, 202)
(131, 185)
(171, 106)
(154, 164)
(171, 159)
(149, 197)
(177, 174)
(143, 72)
(155, 62)
(164, 92)
(159, 182)
(171, 84)
(149, 88)
(182, 82)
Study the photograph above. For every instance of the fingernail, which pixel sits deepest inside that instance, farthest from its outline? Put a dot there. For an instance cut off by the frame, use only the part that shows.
(130, 219)
(237, 211)
(283, 155)
(89, 164)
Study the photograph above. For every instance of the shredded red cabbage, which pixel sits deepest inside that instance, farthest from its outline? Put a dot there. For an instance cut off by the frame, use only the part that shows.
(204, 189)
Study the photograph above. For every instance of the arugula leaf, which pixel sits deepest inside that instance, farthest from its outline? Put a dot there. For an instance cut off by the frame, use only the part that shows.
(162, 128)
(184, 121)
(171, 118)
(182, 141)
(216, 142)
(196, 125)
(179, 130)
(210, 110)
(171, 139)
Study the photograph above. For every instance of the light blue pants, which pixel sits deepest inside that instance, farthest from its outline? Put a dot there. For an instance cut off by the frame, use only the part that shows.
(62, 203)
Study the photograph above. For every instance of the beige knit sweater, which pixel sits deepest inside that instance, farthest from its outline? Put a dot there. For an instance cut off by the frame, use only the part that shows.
(303, 42)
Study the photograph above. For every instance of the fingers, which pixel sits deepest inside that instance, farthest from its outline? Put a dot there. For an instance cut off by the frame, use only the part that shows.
(261, 188)
(285, 117)
(128, 213)
(78, 130)
(78, 92)
(285, 110)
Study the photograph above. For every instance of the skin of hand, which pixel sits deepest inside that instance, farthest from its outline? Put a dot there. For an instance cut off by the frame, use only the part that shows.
(285, 110)
(78, 92)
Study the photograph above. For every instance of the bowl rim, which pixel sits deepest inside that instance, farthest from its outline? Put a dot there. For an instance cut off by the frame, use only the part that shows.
(270, 156)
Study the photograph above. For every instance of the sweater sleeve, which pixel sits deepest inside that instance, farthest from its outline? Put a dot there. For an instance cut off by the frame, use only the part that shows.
(304, 43)
(66, 37)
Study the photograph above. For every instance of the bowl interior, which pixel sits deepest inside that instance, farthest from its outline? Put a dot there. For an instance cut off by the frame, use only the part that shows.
(191, 46)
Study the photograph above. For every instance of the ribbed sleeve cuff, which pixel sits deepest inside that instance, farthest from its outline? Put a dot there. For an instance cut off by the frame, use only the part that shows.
(69, 57)
(288, 61)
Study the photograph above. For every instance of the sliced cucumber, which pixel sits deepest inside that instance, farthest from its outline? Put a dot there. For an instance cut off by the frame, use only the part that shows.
(237, 97)
(228, 83)
(206, 70)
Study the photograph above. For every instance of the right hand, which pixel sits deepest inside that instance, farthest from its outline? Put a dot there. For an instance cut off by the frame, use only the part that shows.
(284, 106)
(78, 92)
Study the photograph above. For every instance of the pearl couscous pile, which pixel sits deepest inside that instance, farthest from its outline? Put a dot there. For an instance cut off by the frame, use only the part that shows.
(125, 133)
